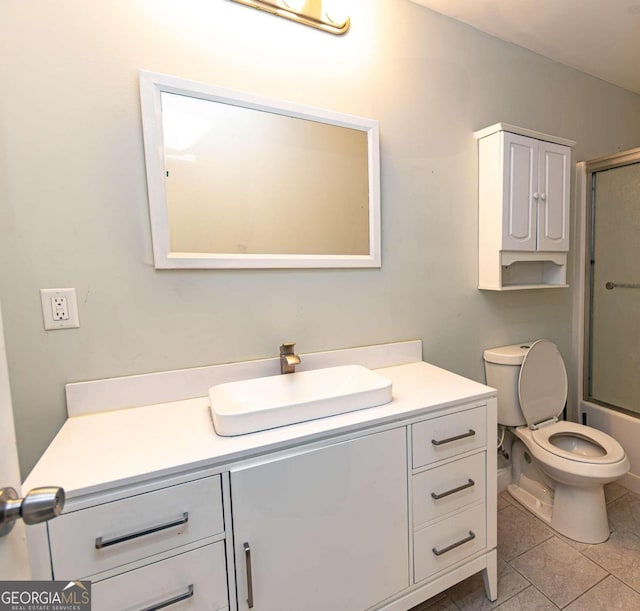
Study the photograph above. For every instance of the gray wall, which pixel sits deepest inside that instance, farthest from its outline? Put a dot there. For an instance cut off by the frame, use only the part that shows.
(74, 206)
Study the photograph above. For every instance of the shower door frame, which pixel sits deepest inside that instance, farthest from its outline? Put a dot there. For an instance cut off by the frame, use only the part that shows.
(583, 233)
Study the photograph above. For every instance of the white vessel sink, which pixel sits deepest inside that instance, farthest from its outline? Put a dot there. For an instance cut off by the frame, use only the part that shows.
(264, 403)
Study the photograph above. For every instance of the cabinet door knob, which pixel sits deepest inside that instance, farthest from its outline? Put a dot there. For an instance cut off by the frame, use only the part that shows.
(247, 560)
(439, 442)
(543, 196)
(171, 601)
(439, 552)
(469, 484)
(102, 543)
(536, 195)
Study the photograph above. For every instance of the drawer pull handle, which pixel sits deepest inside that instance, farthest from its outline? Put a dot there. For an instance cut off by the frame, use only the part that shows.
(172, 601)
(247, 560)
(439, 552)
(101, 543)
(469, 484)
(439, 442)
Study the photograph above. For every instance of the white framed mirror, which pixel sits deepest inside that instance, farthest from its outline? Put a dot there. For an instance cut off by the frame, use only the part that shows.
(237, 180)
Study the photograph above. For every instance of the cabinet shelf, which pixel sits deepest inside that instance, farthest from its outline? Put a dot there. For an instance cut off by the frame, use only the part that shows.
(526, 270)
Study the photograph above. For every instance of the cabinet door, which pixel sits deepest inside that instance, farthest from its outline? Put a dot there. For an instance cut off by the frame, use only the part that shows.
(520, 190)
(326, 529)
(553, 205)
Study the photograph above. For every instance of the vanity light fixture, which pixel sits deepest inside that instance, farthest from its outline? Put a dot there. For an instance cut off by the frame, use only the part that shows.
(319, 14)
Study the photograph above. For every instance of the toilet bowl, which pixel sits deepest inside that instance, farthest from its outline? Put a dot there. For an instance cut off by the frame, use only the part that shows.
(560, 468)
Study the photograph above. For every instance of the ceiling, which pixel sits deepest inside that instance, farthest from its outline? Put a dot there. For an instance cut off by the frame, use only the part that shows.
(600, 37)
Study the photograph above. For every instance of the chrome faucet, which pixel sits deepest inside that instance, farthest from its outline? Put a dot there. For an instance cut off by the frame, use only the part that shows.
(288, 358)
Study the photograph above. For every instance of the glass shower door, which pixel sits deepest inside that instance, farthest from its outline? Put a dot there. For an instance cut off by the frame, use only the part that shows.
(614, 333)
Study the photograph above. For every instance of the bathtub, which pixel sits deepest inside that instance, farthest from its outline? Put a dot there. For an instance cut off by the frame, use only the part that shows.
(623, 428)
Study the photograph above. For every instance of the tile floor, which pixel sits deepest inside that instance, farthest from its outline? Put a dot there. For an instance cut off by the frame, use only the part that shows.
(539, 569)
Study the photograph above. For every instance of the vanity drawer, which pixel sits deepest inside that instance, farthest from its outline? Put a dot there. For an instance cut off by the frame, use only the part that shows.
(195, 579)
(92, 540)
(448, 488)
(447, 436)
(444, 543)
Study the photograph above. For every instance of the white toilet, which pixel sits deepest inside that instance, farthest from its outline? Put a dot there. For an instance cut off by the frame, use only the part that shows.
(559, 468)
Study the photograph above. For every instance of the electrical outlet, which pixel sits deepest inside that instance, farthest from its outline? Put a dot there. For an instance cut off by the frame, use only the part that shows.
(59, 309)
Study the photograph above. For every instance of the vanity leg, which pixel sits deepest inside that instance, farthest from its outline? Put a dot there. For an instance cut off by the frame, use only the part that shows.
(490, 576)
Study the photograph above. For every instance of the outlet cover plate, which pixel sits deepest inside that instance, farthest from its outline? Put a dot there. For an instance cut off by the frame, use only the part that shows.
(47, 296)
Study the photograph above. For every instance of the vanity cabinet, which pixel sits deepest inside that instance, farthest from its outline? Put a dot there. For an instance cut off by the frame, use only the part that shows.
(524, 183)
(323, 529)
(374, 510)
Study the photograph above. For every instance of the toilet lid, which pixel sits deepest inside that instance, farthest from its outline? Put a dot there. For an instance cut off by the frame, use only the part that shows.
(542, 387)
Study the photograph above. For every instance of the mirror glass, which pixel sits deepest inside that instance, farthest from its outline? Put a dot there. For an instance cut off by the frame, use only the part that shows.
(237, 180)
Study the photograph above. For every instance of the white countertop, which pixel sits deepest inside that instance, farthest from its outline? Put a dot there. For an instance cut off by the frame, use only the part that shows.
(97, 452)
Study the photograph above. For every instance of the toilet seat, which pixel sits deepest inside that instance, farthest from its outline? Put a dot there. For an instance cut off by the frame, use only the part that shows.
(613, 451)
(542, 390)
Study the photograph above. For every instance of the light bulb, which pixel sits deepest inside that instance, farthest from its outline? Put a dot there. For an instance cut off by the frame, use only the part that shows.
(293, 5)
(335, 11)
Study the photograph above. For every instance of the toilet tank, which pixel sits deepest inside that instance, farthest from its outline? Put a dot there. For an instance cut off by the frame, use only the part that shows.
(502, 366)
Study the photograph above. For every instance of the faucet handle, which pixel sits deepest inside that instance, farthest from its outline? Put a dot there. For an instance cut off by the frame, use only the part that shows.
(287, 347)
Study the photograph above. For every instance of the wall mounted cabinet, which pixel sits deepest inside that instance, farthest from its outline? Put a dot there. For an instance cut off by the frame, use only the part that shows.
(523, 192)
